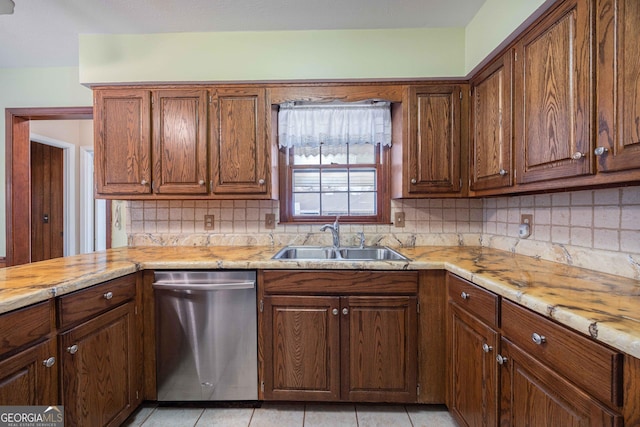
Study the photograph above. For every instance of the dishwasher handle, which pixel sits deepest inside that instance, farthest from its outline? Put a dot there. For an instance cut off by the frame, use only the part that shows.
(248, 284)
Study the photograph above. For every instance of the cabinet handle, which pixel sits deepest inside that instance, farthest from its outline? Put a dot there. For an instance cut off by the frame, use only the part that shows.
(73, 349)
(501, 359)
(577, 155)
(465, 295)
(261, 181)
(486, 348)
(201, 182)
(538, 339)
(49, 362)
(144, 182)
(334, 311)
(108, 295)
(503, 172)
(414, 181)
(599, 151)
(345, 311)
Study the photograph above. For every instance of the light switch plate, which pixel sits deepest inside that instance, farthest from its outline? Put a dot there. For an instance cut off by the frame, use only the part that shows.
(399, 220)
(270, 221)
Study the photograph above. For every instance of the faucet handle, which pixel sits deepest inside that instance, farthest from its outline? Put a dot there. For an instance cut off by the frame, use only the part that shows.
(361, 236)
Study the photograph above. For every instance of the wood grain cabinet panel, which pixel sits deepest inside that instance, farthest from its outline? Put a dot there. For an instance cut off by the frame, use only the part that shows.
(240, 156)
(491, 144)
(122, 126)
(618, 85)
(180, 141)
(433, 154)
(553, 102)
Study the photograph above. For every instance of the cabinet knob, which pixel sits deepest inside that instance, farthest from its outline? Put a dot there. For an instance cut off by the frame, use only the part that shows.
(144, 182)
(577, 155)
(503, 172)
(108, 295)
(486, 348)
(465, 295)
(501, 359)
(201, 182)
(334, 311)
(599, 151)
(414, 181)
(49, 362)
(261, 181)
(73, 349)
(538, 339)
(345, 311)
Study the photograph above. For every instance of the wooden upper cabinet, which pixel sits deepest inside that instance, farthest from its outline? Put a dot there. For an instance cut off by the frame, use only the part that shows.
(239, 154)
(180, 141)
(618, 85)
(491, 153)
(552, 101)
(122, 120)
(434, 145)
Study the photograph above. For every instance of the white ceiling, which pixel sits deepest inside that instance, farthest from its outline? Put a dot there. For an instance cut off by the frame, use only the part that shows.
(44, 33)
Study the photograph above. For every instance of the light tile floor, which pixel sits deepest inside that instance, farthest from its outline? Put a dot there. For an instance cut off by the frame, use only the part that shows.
(294, 415)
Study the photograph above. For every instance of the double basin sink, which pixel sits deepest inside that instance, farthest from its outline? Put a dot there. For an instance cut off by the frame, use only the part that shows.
(367, 253)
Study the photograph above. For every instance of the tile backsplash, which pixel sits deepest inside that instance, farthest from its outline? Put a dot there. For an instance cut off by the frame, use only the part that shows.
(596, 229)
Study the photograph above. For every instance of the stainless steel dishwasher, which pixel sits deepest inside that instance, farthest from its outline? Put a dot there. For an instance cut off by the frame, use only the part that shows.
(206, 335)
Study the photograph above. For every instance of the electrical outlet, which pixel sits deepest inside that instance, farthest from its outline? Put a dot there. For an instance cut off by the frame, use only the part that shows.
(209, 221)
(526, 225)
(399, 219)
(526, 219)
(270, 221)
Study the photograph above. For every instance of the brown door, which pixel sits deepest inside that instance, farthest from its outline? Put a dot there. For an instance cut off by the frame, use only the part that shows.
(47, 215)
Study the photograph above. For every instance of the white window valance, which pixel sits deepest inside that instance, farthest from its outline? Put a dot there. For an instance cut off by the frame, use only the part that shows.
(309, 125)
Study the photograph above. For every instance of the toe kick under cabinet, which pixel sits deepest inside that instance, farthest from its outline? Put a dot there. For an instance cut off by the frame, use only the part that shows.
(339, 335)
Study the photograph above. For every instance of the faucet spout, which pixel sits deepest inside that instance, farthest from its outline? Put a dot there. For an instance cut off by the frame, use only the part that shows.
(335, 231)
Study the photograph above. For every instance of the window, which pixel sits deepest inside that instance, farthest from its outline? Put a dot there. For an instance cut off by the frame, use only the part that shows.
(324, 175)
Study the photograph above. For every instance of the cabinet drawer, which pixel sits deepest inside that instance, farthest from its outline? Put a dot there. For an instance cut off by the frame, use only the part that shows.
(23, 326)
(327, 282)
(88, 302)
(480, 302)
(592, 366)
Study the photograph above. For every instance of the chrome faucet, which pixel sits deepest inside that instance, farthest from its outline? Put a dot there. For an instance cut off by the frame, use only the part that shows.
(335, 231)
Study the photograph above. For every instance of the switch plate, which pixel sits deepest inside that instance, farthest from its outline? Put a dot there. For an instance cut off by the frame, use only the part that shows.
(399, 220)
(209, 221)
(270, 221)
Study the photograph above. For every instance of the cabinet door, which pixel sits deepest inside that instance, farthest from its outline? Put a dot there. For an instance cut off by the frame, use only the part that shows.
(553, 96)
(180, 141)
(100, 360)
(122, 120)
(491, 163)
(379, 349)
(434, 139)
(534, 395)
(301, 342)
(474, 375)
(618, 71)
(27, 379)
(239, 152)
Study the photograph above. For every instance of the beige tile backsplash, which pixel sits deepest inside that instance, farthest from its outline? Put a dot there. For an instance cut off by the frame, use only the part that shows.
(597, 229)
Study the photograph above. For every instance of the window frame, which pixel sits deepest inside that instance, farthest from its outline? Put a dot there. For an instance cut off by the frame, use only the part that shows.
(383, 205)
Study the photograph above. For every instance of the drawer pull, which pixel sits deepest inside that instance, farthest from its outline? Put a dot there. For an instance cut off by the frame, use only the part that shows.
(501, 359)
(334, 311)
(73, 349)
(345, 311)
(486, 348)
(465, 295)
(49, 362)
(108, 295)
(538, 339)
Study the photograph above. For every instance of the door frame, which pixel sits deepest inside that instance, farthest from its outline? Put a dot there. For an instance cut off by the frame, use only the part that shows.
(18, 173)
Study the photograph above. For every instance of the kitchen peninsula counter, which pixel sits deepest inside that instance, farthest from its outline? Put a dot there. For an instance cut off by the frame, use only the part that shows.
(603, 306)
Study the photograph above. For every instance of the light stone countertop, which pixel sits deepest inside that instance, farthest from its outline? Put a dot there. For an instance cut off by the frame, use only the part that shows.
(603, 306)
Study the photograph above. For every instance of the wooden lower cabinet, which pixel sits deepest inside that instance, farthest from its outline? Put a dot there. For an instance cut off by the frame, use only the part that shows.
(30, 377)
(532, 394)
(332, 348)
(99, 363)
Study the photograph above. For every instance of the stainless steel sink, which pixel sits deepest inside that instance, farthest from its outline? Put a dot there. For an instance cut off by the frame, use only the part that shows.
(367, 253)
